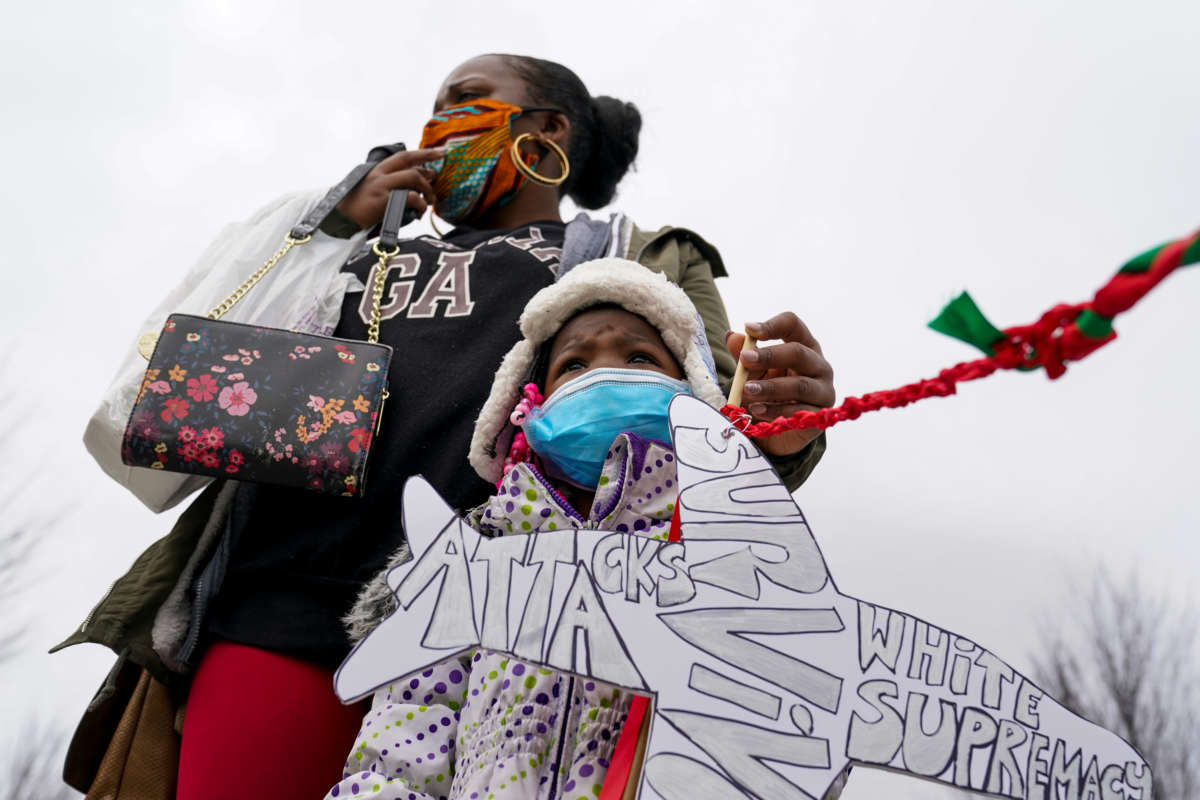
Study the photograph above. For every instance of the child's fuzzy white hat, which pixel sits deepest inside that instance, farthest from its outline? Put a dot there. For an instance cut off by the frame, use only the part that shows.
(607, 280)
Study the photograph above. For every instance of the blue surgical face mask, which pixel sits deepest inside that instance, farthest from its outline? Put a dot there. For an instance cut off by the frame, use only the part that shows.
(574, 429)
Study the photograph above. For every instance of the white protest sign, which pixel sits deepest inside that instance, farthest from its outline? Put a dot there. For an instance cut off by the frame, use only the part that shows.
(766, 680)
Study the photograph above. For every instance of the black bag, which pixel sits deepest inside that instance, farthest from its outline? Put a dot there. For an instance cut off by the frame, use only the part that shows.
(241, 401)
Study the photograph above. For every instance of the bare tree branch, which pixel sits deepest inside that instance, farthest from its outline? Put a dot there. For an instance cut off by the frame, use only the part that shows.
(1125, 657)
(33, 767)
(16, 539)
(16, 548)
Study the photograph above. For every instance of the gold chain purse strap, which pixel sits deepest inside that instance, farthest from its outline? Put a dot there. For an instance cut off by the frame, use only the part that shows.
(300, 234)
(393, 217)
(387, 246)
(221, 308)
(148, 340)
(380, 273)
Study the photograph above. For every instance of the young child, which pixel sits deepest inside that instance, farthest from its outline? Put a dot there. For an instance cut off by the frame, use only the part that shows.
(604, 350)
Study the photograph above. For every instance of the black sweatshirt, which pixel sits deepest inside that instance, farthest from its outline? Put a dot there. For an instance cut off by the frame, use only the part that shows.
(450, 308)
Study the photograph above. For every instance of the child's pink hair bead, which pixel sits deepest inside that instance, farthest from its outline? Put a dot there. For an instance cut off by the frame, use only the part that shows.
(518, 451)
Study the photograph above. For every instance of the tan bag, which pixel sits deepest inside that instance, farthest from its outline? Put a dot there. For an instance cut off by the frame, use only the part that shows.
(142, 759)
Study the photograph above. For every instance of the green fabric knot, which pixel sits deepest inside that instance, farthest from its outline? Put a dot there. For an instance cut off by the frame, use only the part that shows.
(1140, 263)
(963, 320)
(1092, 325)
(1192, 254)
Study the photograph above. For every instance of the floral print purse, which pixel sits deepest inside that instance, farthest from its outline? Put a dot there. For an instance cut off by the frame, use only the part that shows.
(233, 400)
(259, 404)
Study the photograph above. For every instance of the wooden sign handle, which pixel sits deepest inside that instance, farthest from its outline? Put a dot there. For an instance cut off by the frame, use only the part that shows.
(739, 375)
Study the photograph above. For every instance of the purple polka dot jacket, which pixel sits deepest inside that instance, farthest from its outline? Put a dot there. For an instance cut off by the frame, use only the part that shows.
(491, 727)
(636, 493)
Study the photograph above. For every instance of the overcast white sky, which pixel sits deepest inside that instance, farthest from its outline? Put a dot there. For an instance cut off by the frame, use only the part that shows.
(858, 163)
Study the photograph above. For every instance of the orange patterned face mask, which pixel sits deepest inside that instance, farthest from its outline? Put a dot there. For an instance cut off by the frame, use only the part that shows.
(477, 173)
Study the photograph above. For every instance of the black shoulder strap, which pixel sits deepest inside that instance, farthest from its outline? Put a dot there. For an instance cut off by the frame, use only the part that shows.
(313, 219)
(393, 219)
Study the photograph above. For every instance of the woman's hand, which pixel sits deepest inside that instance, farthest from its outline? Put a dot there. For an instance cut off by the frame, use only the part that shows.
(784, 378)
(403, 170)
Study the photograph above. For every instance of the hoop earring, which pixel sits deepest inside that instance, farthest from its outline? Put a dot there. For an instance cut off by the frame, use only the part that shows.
(515, 154)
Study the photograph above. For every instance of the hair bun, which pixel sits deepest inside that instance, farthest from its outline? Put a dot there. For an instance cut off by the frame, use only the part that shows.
(604, 130)
(614, 147)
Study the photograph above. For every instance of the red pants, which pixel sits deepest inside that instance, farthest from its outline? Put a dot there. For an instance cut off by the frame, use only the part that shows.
(260, 724)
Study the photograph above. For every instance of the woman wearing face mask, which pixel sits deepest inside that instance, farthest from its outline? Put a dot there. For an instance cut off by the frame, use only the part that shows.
(260, 576)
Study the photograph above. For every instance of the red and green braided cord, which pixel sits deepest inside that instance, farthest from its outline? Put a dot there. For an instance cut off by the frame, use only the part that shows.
(1064, 333)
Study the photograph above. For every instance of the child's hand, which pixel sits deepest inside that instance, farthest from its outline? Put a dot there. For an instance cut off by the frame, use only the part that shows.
(783, 378)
